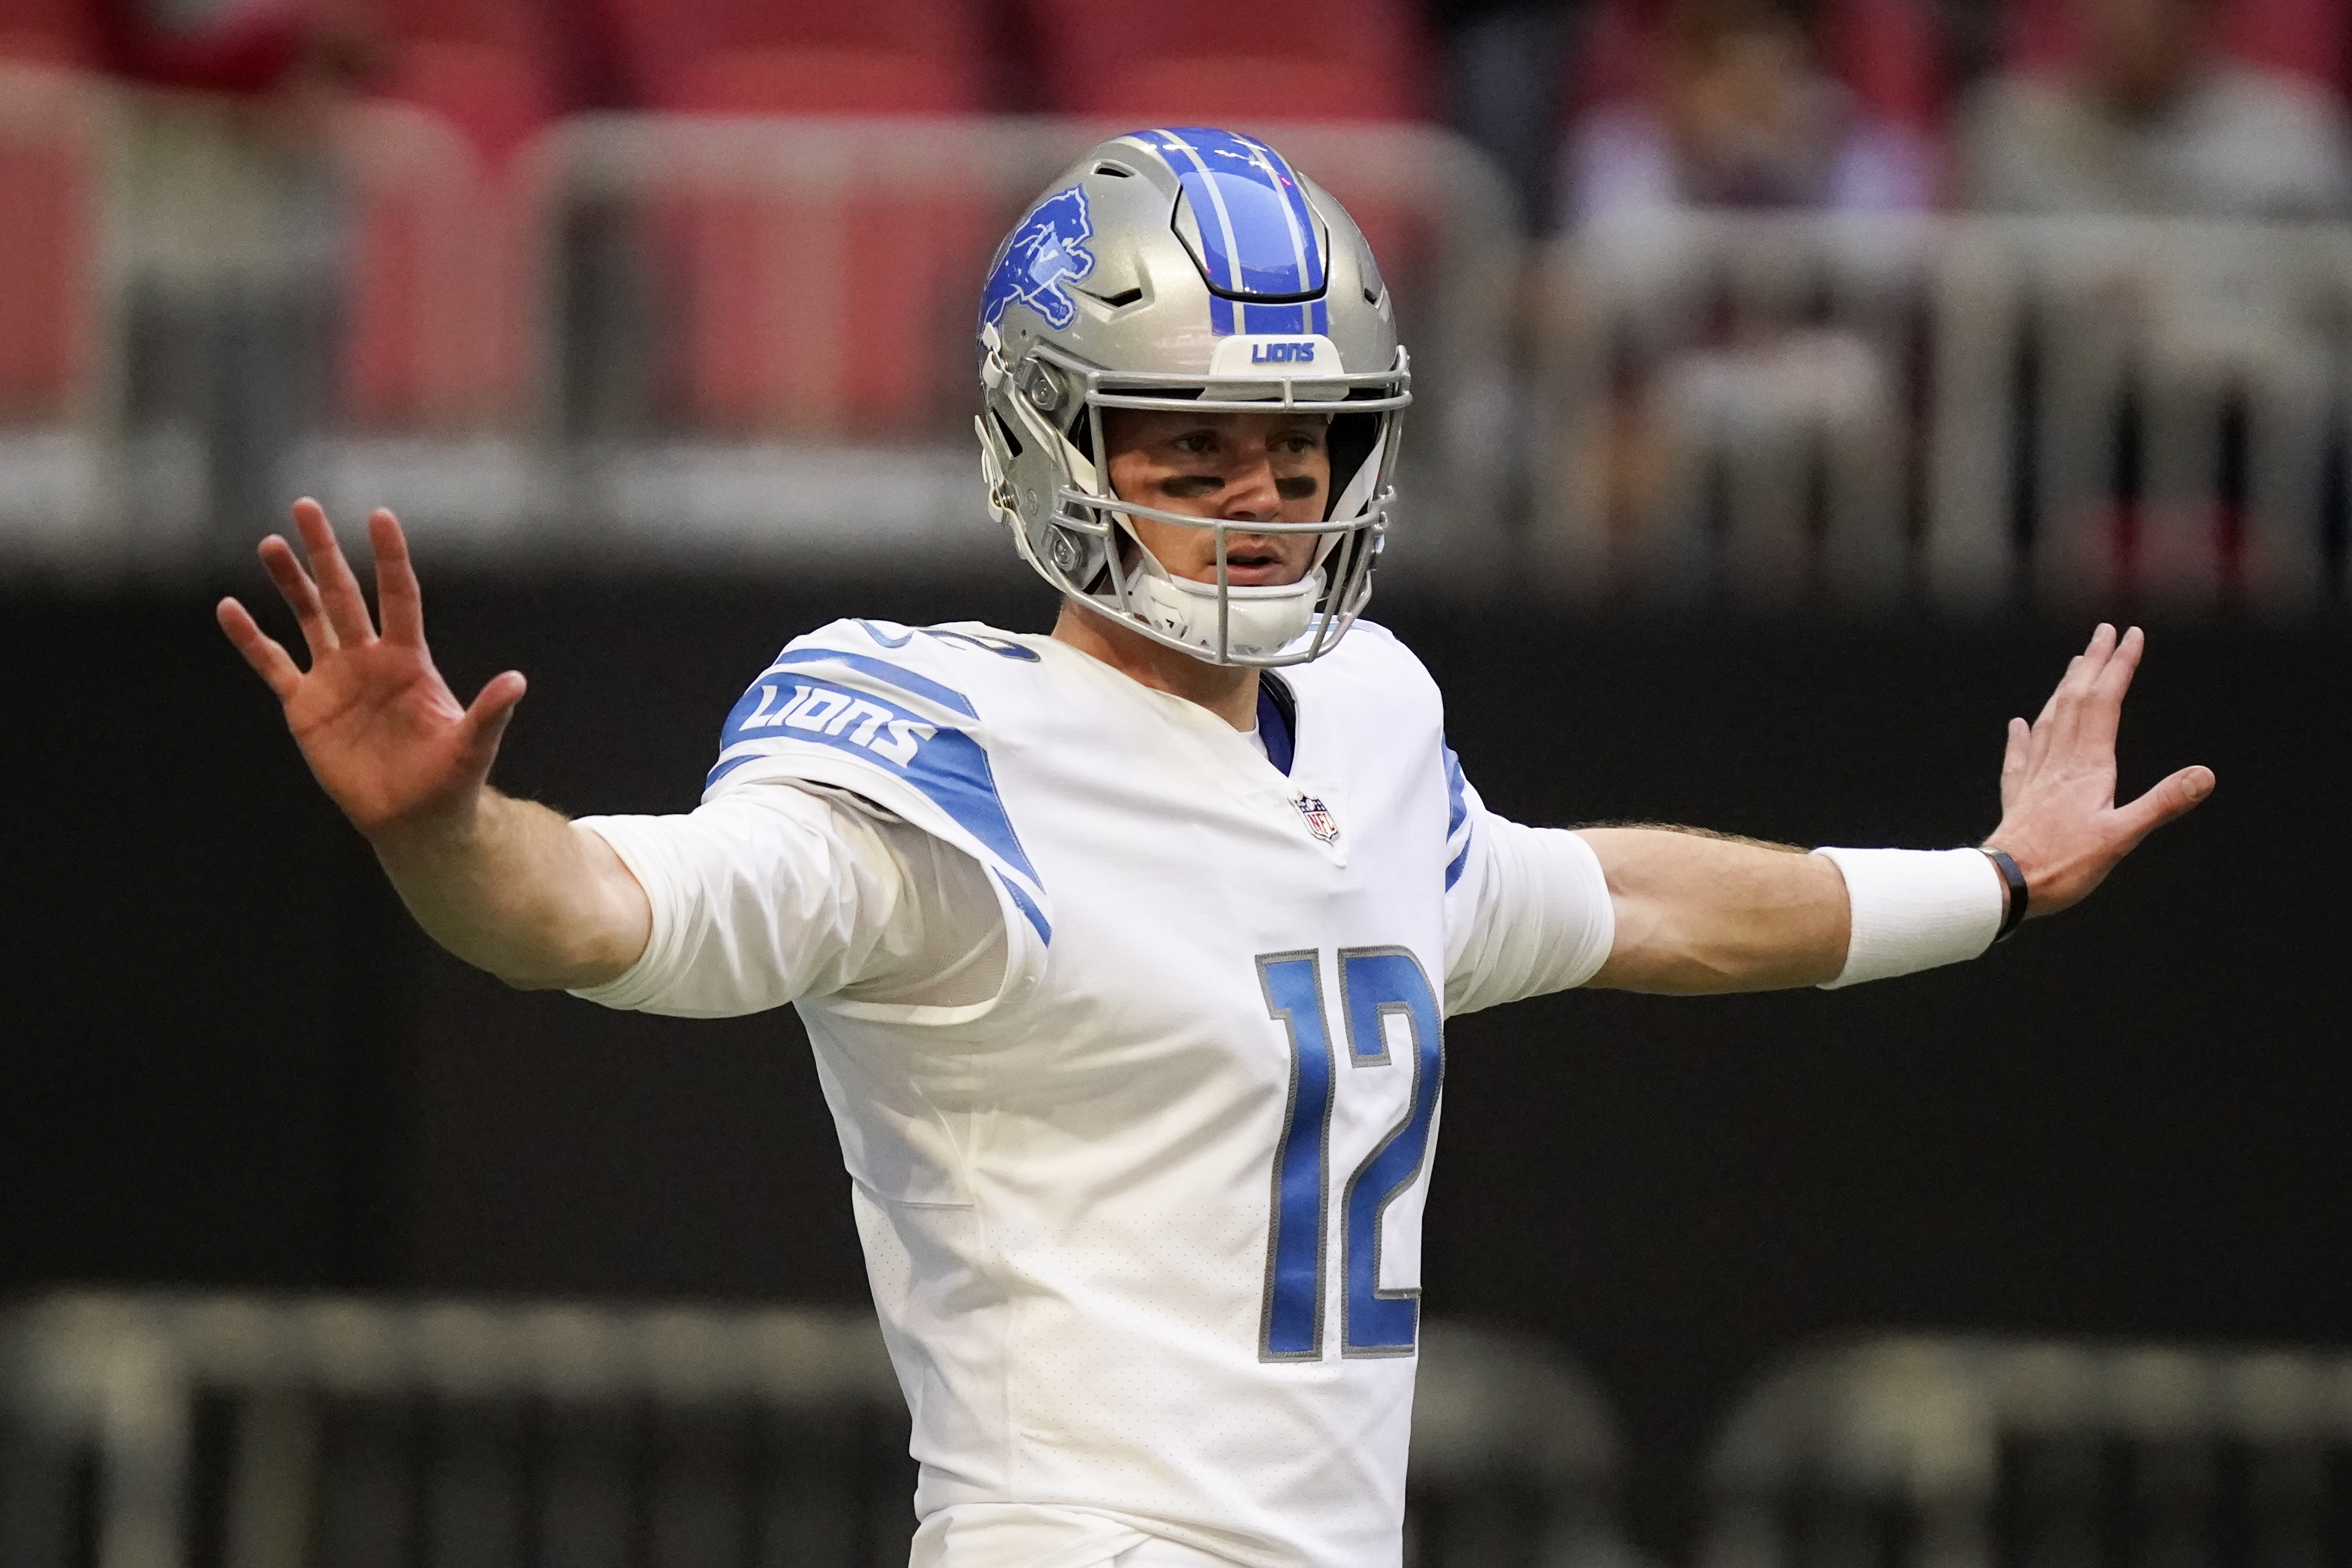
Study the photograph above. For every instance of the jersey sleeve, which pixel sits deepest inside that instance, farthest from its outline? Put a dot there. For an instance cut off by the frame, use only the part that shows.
(881, 713)
(774, 894)
(1526, 908)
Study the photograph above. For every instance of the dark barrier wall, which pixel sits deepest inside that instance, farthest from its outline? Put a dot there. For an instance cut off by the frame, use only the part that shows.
(229, 1061)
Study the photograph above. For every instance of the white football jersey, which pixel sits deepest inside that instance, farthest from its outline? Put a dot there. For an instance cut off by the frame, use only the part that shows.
(1144, 1226)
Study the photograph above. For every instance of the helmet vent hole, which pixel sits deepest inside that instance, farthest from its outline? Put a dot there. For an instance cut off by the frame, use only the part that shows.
(1011, 442)
(1115, 171)
(1371, 299)
(1124, 296)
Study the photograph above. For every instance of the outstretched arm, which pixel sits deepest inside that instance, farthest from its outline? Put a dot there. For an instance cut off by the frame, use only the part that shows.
(507, 885)
(1696, 912)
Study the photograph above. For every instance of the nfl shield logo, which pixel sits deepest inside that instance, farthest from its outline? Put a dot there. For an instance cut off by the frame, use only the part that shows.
(1319, 821)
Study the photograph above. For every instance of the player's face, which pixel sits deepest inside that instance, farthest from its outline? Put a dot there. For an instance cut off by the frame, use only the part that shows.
(1241, 468)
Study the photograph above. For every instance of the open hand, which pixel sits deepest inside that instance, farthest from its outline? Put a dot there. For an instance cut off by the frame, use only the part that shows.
(2058, 819)
(376, 722)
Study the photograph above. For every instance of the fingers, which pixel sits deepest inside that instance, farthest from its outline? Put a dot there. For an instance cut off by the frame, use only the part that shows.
(2013, 757)
(2102, 706)
(2082, 679)
(301, 595)
(487, 717)
(399, 600)
(269, 661)
(2057, 691)
(2116, 677)
(2174, 798)
(2060, 721)
(338, 588)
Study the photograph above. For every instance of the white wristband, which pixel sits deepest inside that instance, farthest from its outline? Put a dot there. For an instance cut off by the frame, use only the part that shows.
(1915, 908)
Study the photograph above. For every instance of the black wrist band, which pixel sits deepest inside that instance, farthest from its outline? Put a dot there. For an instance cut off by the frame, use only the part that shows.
(2015, 881)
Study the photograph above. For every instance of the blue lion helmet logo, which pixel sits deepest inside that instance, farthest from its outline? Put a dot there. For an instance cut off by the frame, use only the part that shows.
(1047, 250)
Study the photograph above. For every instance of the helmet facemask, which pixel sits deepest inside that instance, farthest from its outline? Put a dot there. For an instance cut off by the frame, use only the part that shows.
(1093, 552)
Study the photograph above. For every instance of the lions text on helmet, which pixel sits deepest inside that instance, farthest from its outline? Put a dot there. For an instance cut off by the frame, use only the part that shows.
(1194, 274)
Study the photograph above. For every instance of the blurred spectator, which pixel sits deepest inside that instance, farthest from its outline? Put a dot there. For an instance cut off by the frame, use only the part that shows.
(223, 46)
(1742, 112)
(2151, 119)
(229, 207)
(229, 45)
(1503, 86)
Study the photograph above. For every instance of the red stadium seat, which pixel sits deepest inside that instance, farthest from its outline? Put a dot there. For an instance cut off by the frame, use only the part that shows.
(802, 56)
(485, 66)
(499, 97)
(433, 327)
(2312, 39)
(753, 280)
(49, 32)
(49, 267)
(1232, 59)
(1888, 52)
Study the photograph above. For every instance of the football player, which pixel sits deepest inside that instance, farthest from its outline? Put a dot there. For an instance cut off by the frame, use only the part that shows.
(1125, 952)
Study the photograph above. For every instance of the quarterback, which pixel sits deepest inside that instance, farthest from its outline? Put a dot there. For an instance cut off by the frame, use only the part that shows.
(1126, 951)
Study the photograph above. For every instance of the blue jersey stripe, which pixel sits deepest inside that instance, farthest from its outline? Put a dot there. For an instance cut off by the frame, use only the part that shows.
(1029, 908)
(947, 765)
(1457, 812)
(879, 669)
(953, 770)
(729, 765)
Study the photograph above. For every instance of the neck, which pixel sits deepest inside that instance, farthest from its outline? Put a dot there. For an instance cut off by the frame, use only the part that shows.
(1230, 691)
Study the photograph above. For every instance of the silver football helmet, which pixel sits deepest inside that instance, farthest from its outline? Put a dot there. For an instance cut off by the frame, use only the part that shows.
(1188, 270)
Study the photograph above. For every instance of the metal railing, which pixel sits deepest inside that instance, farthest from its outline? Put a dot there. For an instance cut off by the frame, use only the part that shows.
(684, 338)
(149, 1432)
(1967, 1453)
(767, 325)
(650, 336)
(1967, 413)
(160, 1431)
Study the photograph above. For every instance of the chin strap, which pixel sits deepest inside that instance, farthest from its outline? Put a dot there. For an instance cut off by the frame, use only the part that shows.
(1258, 620)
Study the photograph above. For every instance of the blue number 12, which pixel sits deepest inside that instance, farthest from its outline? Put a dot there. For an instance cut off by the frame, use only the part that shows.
(1374, 982)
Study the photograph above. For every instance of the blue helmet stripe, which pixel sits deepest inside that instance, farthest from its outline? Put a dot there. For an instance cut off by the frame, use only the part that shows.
(1257, 235)
(1274, 319)
(1217, 242)
(1298, 219)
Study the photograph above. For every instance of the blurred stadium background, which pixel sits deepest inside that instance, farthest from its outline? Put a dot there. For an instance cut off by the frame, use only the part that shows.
(1797, 380)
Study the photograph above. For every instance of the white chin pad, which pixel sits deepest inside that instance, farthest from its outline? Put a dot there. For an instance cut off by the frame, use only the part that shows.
(1258, 621)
